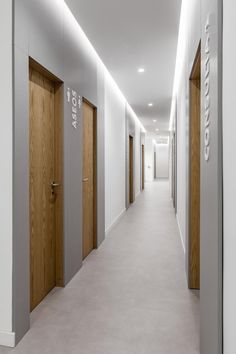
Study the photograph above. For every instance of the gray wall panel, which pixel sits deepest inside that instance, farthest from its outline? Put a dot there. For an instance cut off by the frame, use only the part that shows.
(80, 67)
(211, 171)
(211, 187)
(21, 198)
(48, 32)
(21, 24)
(101, 157)
(72, 191)
(90, 77)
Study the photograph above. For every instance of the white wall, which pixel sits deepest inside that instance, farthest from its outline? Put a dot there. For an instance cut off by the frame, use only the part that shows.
(149, 159)
(194, 17)
(181, 164)
(189, 37)
(115, 139)
(6, 337)
(229, 163)
(114, 154)
(162, 160)
(136, 130)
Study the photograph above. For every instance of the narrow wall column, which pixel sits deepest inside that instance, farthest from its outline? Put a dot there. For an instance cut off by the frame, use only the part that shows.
(229, 126)
(6, 176)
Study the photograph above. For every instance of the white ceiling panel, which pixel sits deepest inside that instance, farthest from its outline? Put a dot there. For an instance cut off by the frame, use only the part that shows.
(128, 34)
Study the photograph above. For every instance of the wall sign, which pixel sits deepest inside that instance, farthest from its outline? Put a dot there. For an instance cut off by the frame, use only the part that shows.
(207, 105)
(76, 101)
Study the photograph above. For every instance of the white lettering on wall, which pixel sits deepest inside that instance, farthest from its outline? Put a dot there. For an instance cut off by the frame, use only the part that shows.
(75, 100)
(207, 105)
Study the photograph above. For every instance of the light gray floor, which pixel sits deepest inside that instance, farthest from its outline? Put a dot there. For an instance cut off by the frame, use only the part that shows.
(131, 295)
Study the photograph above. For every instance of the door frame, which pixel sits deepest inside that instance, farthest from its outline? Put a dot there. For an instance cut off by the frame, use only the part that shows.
(95, 184)
(58, 163)
(143, 166)
(194, 169)
(131, 170)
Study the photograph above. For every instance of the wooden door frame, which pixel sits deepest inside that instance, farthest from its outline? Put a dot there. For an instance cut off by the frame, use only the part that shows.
(131, 169)
(194, 174)
(143, 166)
(59, 144)
(95, 137)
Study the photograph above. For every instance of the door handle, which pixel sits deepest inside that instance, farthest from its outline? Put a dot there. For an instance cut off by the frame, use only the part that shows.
(54, 184)
(85, 179)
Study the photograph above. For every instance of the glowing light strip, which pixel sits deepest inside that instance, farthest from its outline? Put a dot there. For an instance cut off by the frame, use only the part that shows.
(99, 61)
(181, 49)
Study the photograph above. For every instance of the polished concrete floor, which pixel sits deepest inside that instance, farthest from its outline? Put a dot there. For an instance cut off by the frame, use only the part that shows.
(130, 297)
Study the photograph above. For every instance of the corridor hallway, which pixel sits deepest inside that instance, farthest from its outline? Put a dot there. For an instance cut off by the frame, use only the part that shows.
(130, 297)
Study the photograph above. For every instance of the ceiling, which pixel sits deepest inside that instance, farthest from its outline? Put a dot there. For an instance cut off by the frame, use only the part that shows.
(131, 34)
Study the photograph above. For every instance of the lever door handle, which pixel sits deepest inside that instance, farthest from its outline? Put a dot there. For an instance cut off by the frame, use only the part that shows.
(54, 184)
(85, 179)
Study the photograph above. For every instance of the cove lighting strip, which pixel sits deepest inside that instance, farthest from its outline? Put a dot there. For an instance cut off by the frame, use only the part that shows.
(94, 54)
(181, 51)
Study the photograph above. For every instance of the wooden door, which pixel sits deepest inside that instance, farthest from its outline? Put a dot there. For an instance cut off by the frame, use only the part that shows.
(45, 200)
(194, 174)
(131, 169)
(143, 167)
(89, 179)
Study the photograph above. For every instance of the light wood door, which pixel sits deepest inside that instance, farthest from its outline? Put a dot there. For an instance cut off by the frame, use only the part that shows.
(131, 169)
(143, 167)
(194, 174)
(42, 200)
(89, 178)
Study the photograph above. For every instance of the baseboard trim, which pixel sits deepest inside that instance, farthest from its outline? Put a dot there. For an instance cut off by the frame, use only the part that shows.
(7, 339)
(115, 222)
(180, 233)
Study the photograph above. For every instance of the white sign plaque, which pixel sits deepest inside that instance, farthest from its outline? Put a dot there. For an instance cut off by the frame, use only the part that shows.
(75, 100)
(207, 104)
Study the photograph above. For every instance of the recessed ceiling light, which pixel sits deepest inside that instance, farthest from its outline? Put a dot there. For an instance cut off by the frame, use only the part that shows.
(141, 70)
(157, 130)
(154, 120)
(150, 104)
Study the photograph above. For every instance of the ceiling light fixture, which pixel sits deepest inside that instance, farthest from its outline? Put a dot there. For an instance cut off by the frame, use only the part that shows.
(141, 70)
(157, 130)
(154, 120)
(150, 104)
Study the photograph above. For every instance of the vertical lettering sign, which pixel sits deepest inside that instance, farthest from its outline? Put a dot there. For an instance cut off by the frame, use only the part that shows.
(207, 105)
(75, 101)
